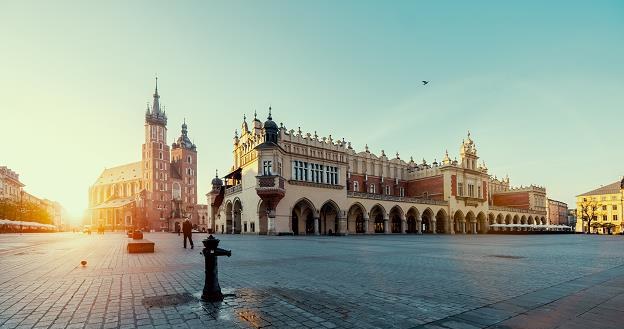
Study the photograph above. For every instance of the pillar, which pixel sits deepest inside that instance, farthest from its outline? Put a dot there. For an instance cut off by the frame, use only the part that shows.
(342, 226)
(403, 226)
(433, 227)
(463, 227)
(419, 224)
(474, 227)
(316, 226)
(366, 225)
(386, 228)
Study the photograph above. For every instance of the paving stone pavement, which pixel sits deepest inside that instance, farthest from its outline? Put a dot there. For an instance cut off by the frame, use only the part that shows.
(394, 281)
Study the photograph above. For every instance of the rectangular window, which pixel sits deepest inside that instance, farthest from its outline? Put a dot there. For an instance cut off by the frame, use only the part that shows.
(266, 168)
(615, 218)
(614, 207)
(478, 191)
(604, 207)
(460, 189)
(402, 192)
(253, 227)
(387, 190)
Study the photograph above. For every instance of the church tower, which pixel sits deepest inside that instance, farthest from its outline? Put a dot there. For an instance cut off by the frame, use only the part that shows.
(184, 168)
(468, 154)
(155, 165)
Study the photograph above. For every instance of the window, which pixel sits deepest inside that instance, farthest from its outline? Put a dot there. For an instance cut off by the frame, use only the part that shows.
(402, 191)
(460, 189)
(160, 156)
(253, 227)
(245, 227)
(604, 218)
(604, 207)
(387, 190)
(372, 188)
(266, 168)
(356, 186)
(478, 191)
(470, 190)
(614, 207)
(615, 218)
(189, 159)
(425, 195)
(160, 146)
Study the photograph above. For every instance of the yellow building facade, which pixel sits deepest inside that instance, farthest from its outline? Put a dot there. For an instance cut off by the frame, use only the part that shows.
(605, 206)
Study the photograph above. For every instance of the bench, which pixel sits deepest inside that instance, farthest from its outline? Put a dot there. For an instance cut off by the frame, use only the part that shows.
(140, 246)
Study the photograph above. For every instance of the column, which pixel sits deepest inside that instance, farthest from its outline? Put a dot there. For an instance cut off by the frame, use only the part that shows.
(316, 226)
(419, 224)
(433, 226)
(366, 226)
(403, 226)
(474, 227)
(342, 226)
(463, 226)
(386, 228)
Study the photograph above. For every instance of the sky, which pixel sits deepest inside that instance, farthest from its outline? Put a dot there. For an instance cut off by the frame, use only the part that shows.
(539, 84)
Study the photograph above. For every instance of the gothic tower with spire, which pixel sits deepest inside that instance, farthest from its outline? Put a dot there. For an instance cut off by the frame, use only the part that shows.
(184, 174)
(155, 163)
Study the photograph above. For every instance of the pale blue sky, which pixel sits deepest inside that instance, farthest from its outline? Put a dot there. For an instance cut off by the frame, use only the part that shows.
(539, 83)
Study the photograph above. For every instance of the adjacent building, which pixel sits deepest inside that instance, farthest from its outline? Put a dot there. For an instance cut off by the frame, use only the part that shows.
(557, 212)
(604, 206)
(155, 192)
(10, 185)
(289, 182)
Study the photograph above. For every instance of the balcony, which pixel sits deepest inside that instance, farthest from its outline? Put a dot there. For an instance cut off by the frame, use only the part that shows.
(383, 197)
(270, 189)
(471, 201)
(233, 189)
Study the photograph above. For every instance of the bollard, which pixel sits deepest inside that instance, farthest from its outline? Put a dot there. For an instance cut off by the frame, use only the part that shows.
(212, 290)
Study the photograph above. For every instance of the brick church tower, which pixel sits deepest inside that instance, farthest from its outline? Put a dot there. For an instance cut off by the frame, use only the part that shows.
(155, 164)
(184, 177)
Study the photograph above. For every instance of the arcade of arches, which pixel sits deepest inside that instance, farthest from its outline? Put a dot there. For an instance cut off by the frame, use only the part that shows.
(329, 219)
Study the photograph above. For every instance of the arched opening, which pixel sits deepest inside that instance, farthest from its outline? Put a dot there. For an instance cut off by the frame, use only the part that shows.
(427, 221)
(263, 219)
(329, 218)
(412, 220)
(508, 221)
(459, 222)
(302, 217)
(355, 219)
(377, 215)
(228, 217)
(441, 221)
(515, 220)
(543, 221)
(237, 213)
(471, 223)
(396, 218)
(482, 223)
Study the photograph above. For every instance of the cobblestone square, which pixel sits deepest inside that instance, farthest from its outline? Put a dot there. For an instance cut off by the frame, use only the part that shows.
(393, 281)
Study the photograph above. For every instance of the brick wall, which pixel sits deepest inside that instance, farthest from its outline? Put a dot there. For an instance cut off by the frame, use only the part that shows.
(513, 200)
(433, 186)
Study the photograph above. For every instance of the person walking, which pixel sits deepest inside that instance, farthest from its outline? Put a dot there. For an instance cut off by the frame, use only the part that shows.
(177, 228)
(187, 230)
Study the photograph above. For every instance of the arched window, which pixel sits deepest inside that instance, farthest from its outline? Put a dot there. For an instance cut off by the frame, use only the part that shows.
(189, 159)
(387, 190)
(176, 191)
(372, 188)
(356, 186)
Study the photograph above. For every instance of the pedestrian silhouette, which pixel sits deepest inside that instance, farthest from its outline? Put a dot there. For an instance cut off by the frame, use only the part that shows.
(187, 230)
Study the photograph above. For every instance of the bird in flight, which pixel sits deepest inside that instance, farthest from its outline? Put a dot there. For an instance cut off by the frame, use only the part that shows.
(425, 82)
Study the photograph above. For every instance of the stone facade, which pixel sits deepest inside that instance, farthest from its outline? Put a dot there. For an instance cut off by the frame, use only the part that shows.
(155, 192)
(10, 185)
(287, 182)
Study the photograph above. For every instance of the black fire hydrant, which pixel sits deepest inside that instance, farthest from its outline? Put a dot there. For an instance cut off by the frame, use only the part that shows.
(212, 290)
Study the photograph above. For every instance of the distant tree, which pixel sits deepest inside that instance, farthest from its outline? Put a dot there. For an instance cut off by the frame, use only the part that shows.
(588, 212)
(26, 211)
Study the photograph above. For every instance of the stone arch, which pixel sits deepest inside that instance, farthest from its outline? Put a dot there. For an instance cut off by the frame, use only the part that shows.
(377, 219)
(237, 212)
(413, 220)
(396, 219)
(543, 219)
(303, 216)
(442, 221)
(471, 221)
(228, 216)
(329, 218)
(356, 218)
(482, 223)
(459, 222)
(427, 221)
(530, 220)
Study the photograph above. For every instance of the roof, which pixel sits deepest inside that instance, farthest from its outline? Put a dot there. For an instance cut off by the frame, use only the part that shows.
(612, 188)
(115, 203)
(123, 173)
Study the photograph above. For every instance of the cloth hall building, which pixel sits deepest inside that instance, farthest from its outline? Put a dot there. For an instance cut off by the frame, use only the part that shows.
(287, 182)
(155, 192)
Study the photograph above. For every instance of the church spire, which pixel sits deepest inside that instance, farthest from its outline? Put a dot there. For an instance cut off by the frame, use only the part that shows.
(156, 105)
